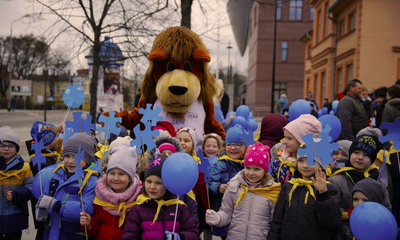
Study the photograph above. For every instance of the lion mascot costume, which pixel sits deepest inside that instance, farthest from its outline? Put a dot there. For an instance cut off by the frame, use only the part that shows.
(179, 82)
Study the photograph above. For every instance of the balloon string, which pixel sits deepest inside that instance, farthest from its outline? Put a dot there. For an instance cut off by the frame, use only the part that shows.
(176, 212)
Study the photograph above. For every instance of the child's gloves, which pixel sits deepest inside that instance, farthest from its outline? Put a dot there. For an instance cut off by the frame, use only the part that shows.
(212, 218)
(48, 202)
(172, 236)
(41, 214)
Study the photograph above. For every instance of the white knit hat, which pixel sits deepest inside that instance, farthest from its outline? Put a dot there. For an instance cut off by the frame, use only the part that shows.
(123, 157)
(8, 135)
(118, 141)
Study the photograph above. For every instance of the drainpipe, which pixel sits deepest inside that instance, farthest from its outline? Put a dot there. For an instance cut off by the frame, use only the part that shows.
(334, 56)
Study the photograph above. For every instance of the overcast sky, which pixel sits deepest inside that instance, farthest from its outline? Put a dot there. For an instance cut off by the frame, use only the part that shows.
(14, 9)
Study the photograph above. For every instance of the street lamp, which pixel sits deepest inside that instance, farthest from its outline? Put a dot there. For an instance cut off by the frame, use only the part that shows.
(229, 56)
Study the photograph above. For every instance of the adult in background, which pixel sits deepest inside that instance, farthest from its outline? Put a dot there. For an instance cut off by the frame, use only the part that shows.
(271, 131)
(327, 104)
(351, 112)
(380, 96)
(13, 103)
(382, 108)
(219, 89)
(137, 98)
(281, 103)
(366, 101)
(225, 104)
(392, 109)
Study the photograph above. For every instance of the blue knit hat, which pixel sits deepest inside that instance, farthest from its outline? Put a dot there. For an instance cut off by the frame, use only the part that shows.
(237, 134)
(44, 131)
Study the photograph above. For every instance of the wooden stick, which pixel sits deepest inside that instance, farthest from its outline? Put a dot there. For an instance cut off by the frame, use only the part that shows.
(209, 206)
(83, 210)
(66, 115)
(40, 180)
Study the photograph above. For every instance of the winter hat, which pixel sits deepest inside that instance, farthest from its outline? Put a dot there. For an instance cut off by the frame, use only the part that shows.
(303, 125)
(87, 143)
(8, 135)
(123, 133)
(216, 137)
(118, 141)
(271, 131)
(192, 134)
(165, 126)
(124, 158)
(373, 190)
(344, 145)
(44, 131)
(367, 143)
(381, 92)
(235, 134)
(283, 95)
(155, 152)
(155, 166)
(257, 155)
(376, 132)
(167, 146)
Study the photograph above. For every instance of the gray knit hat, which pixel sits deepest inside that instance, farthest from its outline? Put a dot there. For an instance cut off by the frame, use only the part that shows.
(8, 135)
(123, 157)
(87, 142)
(375, 191)
(344, 145)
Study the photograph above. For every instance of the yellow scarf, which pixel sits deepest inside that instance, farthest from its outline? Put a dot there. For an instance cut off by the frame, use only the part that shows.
(50, 154)
(296, 182)
(122, 206)
(270, 192)
(366, 171)
(15, 173)
(102, 150)
(141, 199)
(231, 159)
(196, 158)
(191, 195)
(85, 180)
(387, 154)
(292, 166)
(345, 216)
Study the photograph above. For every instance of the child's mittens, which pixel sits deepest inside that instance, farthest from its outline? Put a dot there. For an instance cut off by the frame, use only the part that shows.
(212, 218)
(172, 236)
(41, 214)
(48, 203)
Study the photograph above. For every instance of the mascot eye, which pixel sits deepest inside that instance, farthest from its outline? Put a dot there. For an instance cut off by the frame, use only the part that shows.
(170, 66)
(187, 66)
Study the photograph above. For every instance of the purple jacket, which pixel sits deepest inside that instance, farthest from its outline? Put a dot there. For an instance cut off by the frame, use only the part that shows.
(138, 224)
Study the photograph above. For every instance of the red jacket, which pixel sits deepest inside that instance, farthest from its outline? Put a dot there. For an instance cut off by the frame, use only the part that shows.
(104, 225)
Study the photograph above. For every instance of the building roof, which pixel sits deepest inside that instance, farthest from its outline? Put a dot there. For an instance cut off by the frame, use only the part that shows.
(339, 5)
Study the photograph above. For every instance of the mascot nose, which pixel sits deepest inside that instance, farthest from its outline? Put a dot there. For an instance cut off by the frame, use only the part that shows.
(177, 90)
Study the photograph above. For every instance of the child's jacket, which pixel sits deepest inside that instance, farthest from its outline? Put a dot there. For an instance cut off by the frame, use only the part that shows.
(139, 222)
(249, 216)
(16, 177)
(306, 218)
(64, 225)
(282, 170)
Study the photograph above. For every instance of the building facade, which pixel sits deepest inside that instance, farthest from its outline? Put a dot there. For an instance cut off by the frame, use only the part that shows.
(351, 39)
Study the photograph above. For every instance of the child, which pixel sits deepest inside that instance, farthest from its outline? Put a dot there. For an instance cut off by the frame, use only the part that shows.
(48, 134)
(252, 192)
(228, 165)
(60, 205)
(307, 206)
(212, 144)
(119, 188)
(284, 166)
(153, 215)
(219, 94)
(363, 151)
(16, 184)
(339, 156)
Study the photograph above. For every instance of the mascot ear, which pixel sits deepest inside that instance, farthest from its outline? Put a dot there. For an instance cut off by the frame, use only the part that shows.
(201, 55)
(157, 54)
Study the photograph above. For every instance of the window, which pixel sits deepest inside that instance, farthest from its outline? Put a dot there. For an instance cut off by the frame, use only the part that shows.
(326, 19)
(284, 51)
(342, 28)
(295, 10)
(316, 86)
(278, 88)
(309, 51)
(323, 85)
(340, 79)
(312, 12)
(319, 26)
(279, 10)
(308, 85)
(352, 21)
(255, 16)
(350, 71)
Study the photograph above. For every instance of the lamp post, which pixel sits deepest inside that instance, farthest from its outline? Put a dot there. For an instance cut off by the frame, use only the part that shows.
(273, 63)
(229, 56)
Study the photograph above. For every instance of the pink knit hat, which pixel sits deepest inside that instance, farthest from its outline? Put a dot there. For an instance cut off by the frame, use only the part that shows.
(257, 155)
(303, 125)
(167, 146)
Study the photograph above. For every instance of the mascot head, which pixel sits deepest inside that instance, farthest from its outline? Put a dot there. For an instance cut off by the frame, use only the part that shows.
(178, 73)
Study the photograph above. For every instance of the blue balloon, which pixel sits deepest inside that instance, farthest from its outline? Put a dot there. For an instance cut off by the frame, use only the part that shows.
(230, 113)
(371, 220)
(179, 173)
(298, 108)
(334, 123)
(251, 125)
(320, 114)
(334, 104)
(243, 111)
(332, 112)
(239, 120)
(250, 116)
(325, 110)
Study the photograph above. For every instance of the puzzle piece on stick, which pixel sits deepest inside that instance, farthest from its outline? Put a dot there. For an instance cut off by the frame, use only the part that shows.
(393, 133)
(151, 115)
(323, 149)
(110, 124)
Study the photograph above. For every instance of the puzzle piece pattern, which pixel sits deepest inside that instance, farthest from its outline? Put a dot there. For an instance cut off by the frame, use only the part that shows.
(73, 97)
(151, 115)
(79, 124)
(78, 171)
(326, 130)
(146, 136)
(323, 149)
(110, 124)
(393, 133)
(38, 146)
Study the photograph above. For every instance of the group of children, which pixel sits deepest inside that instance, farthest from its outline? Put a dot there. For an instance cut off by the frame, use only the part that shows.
(261, 191)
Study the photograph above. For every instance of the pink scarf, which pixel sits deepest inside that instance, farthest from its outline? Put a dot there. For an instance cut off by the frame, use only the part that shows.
(105, 193)
(286, 156)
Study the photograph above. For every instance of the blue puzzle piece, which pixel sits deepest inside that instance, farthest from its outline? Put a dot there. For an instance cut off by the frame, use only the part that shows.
(67, 134)
(326, 130)
(110, 124)
(393, 133)
(323, 149)
(81, 125)
(38, 146)
(78, 171)
(146, 136)
(204, 166)
(151, 115)
(73, 97)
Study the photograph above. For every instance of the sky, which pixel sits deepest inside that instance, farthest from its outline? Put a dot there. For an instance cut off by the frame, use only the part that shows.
(12, 10)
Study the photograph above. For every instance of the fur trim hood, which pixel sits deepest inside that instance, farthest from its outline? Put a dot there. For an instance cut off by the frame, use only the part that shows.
(394, 101)
(154, 153)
